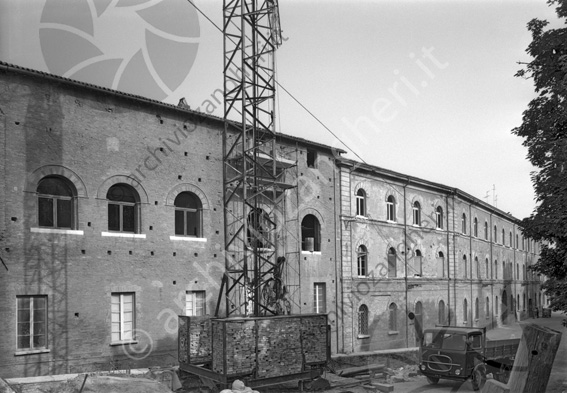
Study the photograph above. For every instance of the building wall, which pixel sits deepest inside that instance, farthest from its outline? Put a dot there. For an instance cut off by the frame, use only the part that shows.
(95, 139)
(453, 264)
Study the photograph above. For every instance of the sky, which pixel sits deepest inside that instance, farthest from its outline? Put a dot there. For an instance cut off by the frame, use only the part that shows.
(421, 87)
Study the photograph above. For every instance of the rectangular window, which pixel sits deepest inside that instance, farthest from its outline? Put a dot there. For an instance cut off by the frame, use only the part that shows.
(392, 268)
(311, 159)
(360, 207)
(195, 302)
(113, 217)
(46, 212)
(122, 317)
(390, 213)
(441, 267)
(32, 322)
(416, 216)
(418, 263)
(319, 298)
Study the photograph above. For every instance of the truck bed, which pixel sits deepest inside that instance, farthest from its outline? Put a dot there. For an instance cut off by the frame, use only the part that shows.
(498, 349)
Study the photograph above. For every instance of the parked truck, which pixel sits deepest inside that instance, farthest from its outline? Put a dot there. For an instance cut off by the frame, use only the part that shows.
(460, 353)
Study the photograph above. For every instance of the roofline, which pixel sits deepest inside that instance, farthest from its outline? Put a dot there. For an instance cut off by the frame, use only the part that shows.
(72, 82)
(408, 179)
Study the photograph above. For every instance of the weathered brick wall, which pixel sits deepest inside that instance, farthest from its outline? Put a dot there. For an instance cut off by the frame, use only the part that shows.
(95, 138)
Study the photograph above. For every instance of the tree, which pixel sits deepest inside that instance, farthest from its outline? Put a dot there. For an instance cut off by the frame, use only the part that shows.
(544, 129)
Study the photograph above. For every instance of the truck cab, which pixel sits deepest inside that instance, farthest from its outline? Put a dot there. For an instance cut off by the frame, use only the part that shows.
(454, 353)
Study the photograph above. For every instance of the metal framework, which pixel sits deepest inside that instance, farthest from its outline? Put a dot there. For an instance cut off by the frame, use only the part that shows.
(253, 171)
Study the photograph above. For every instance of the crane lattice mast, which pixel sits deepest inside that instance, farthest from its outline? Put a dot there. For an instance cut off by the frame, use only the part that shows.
(252, 176)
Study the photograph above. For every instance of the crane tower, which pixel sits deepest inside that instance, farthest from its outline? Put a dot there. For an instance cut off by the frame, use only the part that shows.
(253, 171)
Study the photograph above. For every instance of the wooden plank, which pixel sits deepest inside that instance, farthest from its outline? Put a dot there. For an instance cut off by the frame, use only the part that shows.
(533, 362)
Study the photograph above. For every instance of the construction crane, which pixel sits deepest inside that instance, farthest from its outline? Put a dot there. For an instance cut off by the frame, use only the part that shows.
(253, 172)
(253, 341)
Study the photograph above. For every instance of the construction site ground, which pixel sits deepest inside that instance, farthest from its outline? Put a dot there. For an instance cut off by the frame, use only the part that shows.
(399, 372)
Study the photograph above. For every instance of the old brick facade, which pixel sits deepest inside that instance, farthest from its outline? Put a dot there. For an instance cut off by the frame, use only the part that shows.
(410, 245)
(92, 294)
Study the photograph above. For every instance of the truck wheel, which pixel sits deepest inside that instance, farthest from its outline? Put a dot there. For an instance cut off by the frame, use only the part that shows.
(432, 380)
(478, 379)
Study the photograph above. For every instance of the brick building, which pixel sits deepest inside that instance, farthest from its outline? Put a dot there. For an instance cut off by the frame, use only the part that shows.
(410, 245)
(112, 224)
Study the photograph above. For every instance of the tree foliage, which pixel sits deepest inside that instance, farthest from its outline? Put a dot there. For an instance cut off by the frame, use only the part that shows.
(544, 129)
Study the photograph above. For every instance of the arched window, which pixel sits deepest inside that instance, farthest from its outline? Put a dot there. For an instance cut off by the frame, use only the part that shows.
(188, 215)
(441, 311)
(464, 224)
(477, 268)
(517, 241)
(503, 237)
(440, 264)
(517, 271)
(363, 320)
(362, 261)
(310, 233)
(393, 320)
(418, 263)
(441, 272)
(487, 311)
(485, 230)
(475, 227)
(418, 320)
(392, 263)
(391, 208)
(495, 269)
(416, 213)
(476, 309)
(465, 310)
(496, 306)
(259, 228)
(495, 240)
(439, 217)
(123, 208)
(487, 269)
(361, 203)
(465, 267)
(55, 200)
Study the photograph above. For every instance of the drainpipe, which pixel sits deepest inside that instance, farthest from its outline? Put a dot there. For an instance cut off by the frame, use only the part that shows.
(406, 262)
(338, 265)
(473, 303)
(448, 258)
(454, 258)
(491, 263)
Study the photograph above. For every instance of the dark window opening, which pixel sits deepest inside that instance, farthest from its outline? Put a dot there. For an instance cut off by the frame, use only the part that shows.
(311, 158)
(55, 203)
(188, 215)
(310, 233)
(123, 208)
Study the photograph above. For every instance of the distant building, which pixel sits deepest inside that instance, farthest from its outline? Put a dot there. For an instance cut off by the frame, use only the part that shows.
(112, 225)
(411, 245)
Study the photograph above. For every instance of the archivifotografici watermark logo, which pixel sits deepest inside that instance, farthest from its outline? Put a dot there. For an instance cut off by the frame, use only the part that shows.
(143, 47)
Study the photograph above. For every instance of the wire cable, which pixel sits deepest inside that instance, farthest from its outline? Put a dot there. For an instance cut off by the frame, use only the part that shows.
(287, 92)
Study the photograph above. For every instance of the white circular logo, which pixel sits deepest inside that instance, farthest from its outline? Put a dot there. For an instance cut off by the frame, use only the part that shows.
(143, 47)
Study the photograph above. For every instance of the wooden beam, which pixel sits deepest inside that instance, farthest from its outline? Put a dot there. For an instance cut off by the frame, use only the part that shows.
(533, 362)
